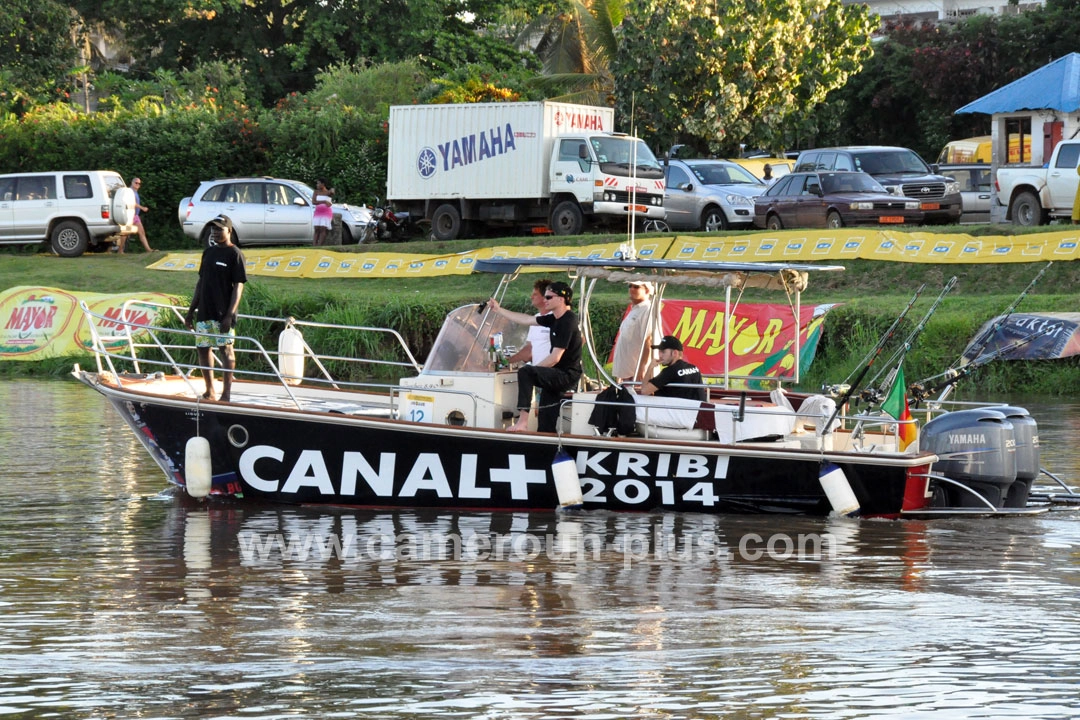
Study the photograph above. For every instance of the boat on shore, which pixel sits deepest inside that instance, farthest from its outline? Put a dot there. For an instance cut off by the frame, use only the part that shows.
(296, 432)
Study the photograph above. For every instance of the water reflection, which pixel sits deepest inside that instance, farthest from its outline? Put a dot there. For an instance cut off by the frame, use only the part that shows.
(121, 600)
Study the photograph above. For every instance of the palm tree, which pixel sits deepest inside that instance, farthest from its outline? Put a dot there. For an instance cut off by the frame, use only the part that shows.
(576, 48)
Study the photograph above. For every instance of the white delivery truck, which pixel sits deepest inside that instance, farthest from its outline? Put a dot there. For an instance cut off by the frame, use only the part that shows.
(518, 164)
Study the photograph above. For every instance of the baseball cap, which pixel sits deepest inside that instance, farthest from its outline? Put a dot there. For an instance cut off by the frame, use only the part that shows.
(562, 290)
(669, 342)
(222, 221)
(641, 283)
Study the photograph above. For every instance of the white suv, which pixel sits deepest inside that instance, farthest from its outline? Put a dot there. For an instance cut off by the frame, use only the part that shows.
(71, 210)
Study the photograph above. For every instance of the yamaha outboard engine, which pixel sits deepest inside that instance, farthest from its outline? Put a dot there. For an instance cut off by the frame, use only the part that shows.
(1026, 432)
(976, 447)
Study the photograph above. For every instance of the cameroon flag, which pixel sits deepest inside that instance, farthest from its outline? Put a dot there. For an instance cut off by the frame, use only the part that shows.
(896, 405)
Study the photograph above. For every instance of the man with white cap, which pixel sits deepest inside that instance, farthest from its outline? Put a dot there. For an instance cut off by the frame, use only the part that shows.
(632, 346)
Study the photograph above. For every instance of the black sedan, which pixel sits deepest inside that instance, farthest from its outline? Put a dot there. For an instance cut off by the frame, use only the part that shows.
(832, 200)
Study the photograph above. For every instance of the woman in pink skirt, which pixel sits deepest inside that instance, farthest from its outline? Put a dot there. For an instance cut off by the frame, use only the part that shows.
(324, 210)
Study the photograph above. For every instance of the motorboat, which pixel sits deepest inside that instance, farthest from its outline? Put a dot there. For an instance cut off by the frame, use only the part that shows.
(311, 427)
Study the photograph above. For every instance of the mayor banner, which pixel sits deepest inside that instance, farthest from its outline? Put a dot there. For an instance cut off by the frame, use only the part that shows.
(42, 322)
(1027, 336)
(761, 337)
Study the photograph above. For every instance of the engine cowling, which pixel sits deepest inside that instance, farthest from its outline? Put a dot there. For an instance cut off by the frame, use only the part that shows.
(976, 447)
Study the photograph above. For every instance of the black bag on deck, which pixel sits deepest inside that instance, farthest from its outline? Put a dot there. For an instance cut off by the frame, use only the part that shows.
(621, 417)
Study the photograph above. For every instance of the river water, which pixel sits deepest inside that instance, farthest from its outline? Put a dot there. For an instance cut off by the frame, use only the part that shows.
(119, 598)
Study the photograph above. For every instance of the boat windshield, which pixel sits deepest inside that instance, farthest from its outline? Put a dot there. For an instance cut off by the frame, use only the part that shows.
(464, 342)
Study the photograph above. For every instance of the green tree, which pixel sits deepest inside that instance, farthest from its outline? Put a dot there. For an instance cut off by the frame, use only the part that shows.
(721, 73)
(36, 52)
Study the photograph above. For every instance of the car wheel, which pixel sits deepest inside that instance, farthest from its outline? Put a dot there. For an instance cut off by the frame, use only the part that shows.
(69, 239)
(346, 235)
(1026, 210)
(833, 220)
(655, 226)
(713, 220)
(445, 223)
(566, 219)
(774, 223)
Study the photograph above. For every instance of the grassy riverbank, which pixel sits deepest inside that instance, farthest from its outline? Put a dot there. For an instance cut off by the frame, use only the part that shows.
(872, 293)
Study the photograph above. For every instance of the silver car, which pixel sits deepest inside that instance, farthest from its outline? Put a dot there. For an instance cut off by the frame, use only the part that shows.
(265, 211)
(709, 195)
(974, 181)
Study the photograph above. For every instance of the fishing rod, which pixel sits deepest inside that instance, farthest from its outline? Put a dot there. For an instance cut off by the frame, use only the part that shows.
(922, 390)
(873, 355)
(875, 394)
(985, 337)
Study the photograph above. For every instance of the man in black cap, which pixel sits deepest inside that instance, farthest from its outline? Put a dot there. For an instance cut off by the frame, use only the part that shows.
(556, 373)
(216, 300)
(676, 372)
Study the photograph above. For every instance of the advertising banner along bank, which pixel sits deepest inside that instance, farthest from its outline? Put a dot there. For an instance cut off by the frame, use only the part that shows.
(41, 322)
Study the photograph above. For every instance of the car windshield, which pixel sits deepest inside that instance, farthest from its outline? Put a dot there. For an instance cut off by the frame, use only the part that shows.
(722, 174)
(890, 162)
(849, 182)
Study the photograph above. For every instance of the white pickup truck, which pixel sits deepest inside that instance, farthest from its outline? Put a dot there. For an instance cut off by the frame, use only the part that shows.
(1036, 195)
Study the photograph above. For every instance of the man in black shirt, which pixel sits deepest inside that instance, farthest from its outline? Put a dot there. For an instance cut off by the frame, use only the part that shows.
(556, 373)
(216, 299)
(676, 372)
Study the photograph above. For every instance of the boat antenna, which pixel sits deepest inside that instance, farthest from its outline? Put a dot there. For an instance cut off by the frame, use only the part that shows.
(633, 177)
(867, 364)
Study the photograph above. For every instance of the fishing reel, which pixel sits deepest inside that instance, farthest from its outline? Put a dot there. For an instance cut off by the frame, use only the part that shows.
(871, 396)
(835, 391)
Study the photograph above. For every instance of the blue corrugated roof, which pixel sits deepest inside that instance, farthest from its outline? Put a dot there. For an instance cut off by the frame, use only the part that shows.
(1052, 87)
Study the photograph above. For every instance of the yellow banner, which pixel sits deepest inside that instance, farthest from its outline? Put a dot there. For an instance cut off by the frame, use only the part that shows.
(321, 263)
(870, 244)
(41, 322)
(784, 246)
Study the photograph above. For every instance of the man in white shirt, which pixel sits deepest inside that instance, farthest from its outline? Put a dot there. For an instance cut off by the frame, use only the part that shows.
(538, 342)
(637, 335)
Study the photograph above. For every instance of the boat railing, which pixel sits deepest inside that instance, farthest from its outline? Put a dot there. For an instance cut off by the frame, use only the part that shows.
(866, 426)
(132, 338)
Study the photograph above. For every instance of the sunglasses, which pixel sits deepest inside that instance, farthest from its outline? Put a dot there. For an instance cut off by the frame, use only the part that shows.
(550, 297)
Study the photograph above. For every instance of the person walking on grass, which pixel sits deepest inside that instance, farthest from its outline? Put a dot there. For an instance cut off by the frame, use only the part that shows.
(215, 302)
(121, 244)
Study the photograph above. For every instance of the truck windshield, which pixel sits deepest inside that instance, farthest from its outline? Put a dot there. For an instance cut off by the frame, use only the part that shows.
(890, 162)
(616, 154)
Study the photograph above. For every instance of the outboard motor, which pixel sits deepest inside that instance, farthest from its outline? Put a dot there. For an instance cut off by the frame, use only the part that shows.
(1026, 432)
(976, 447)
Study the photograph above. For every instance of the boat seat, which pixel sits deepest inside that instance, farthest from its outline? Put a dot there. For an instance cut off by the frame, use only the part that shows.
(660, 432)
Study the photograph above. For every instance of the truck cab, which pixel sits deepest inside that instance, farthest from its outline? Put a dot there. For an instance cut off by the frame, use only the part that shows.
(603, 176)
(1035, 195)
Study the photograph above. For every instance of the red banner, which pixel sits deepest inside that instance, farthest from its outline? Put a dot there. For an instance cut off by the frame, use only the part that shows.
(762, 336)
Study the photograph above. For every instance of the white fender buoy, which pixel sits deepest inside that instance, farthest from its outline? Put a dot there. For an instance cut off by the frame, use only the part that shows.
(837, 488)
(567, 483)
(291, 355)
(198, 477)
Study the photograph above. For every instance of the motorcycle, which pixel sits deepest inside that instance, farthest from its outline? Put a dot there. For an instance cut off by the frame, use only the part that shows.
(386, 225)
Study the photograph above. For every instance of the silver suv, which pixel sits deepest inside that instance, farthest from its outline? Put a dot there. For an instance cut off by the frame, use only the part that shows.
(709, 195)
(264, 211)
(71, 210)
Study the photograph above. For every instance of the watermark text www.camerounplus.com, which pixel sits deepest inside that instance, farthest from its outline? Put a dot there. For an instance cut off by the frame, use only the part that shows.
(256, 547)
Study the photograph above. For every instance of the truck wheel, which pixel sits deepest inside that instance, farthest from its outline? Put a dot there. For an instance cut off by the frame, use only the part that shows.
(69, 239)
(713, 219)
(774, 223)
(445, 223)
(566, 219)
(1026, 210)
(833, 220)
